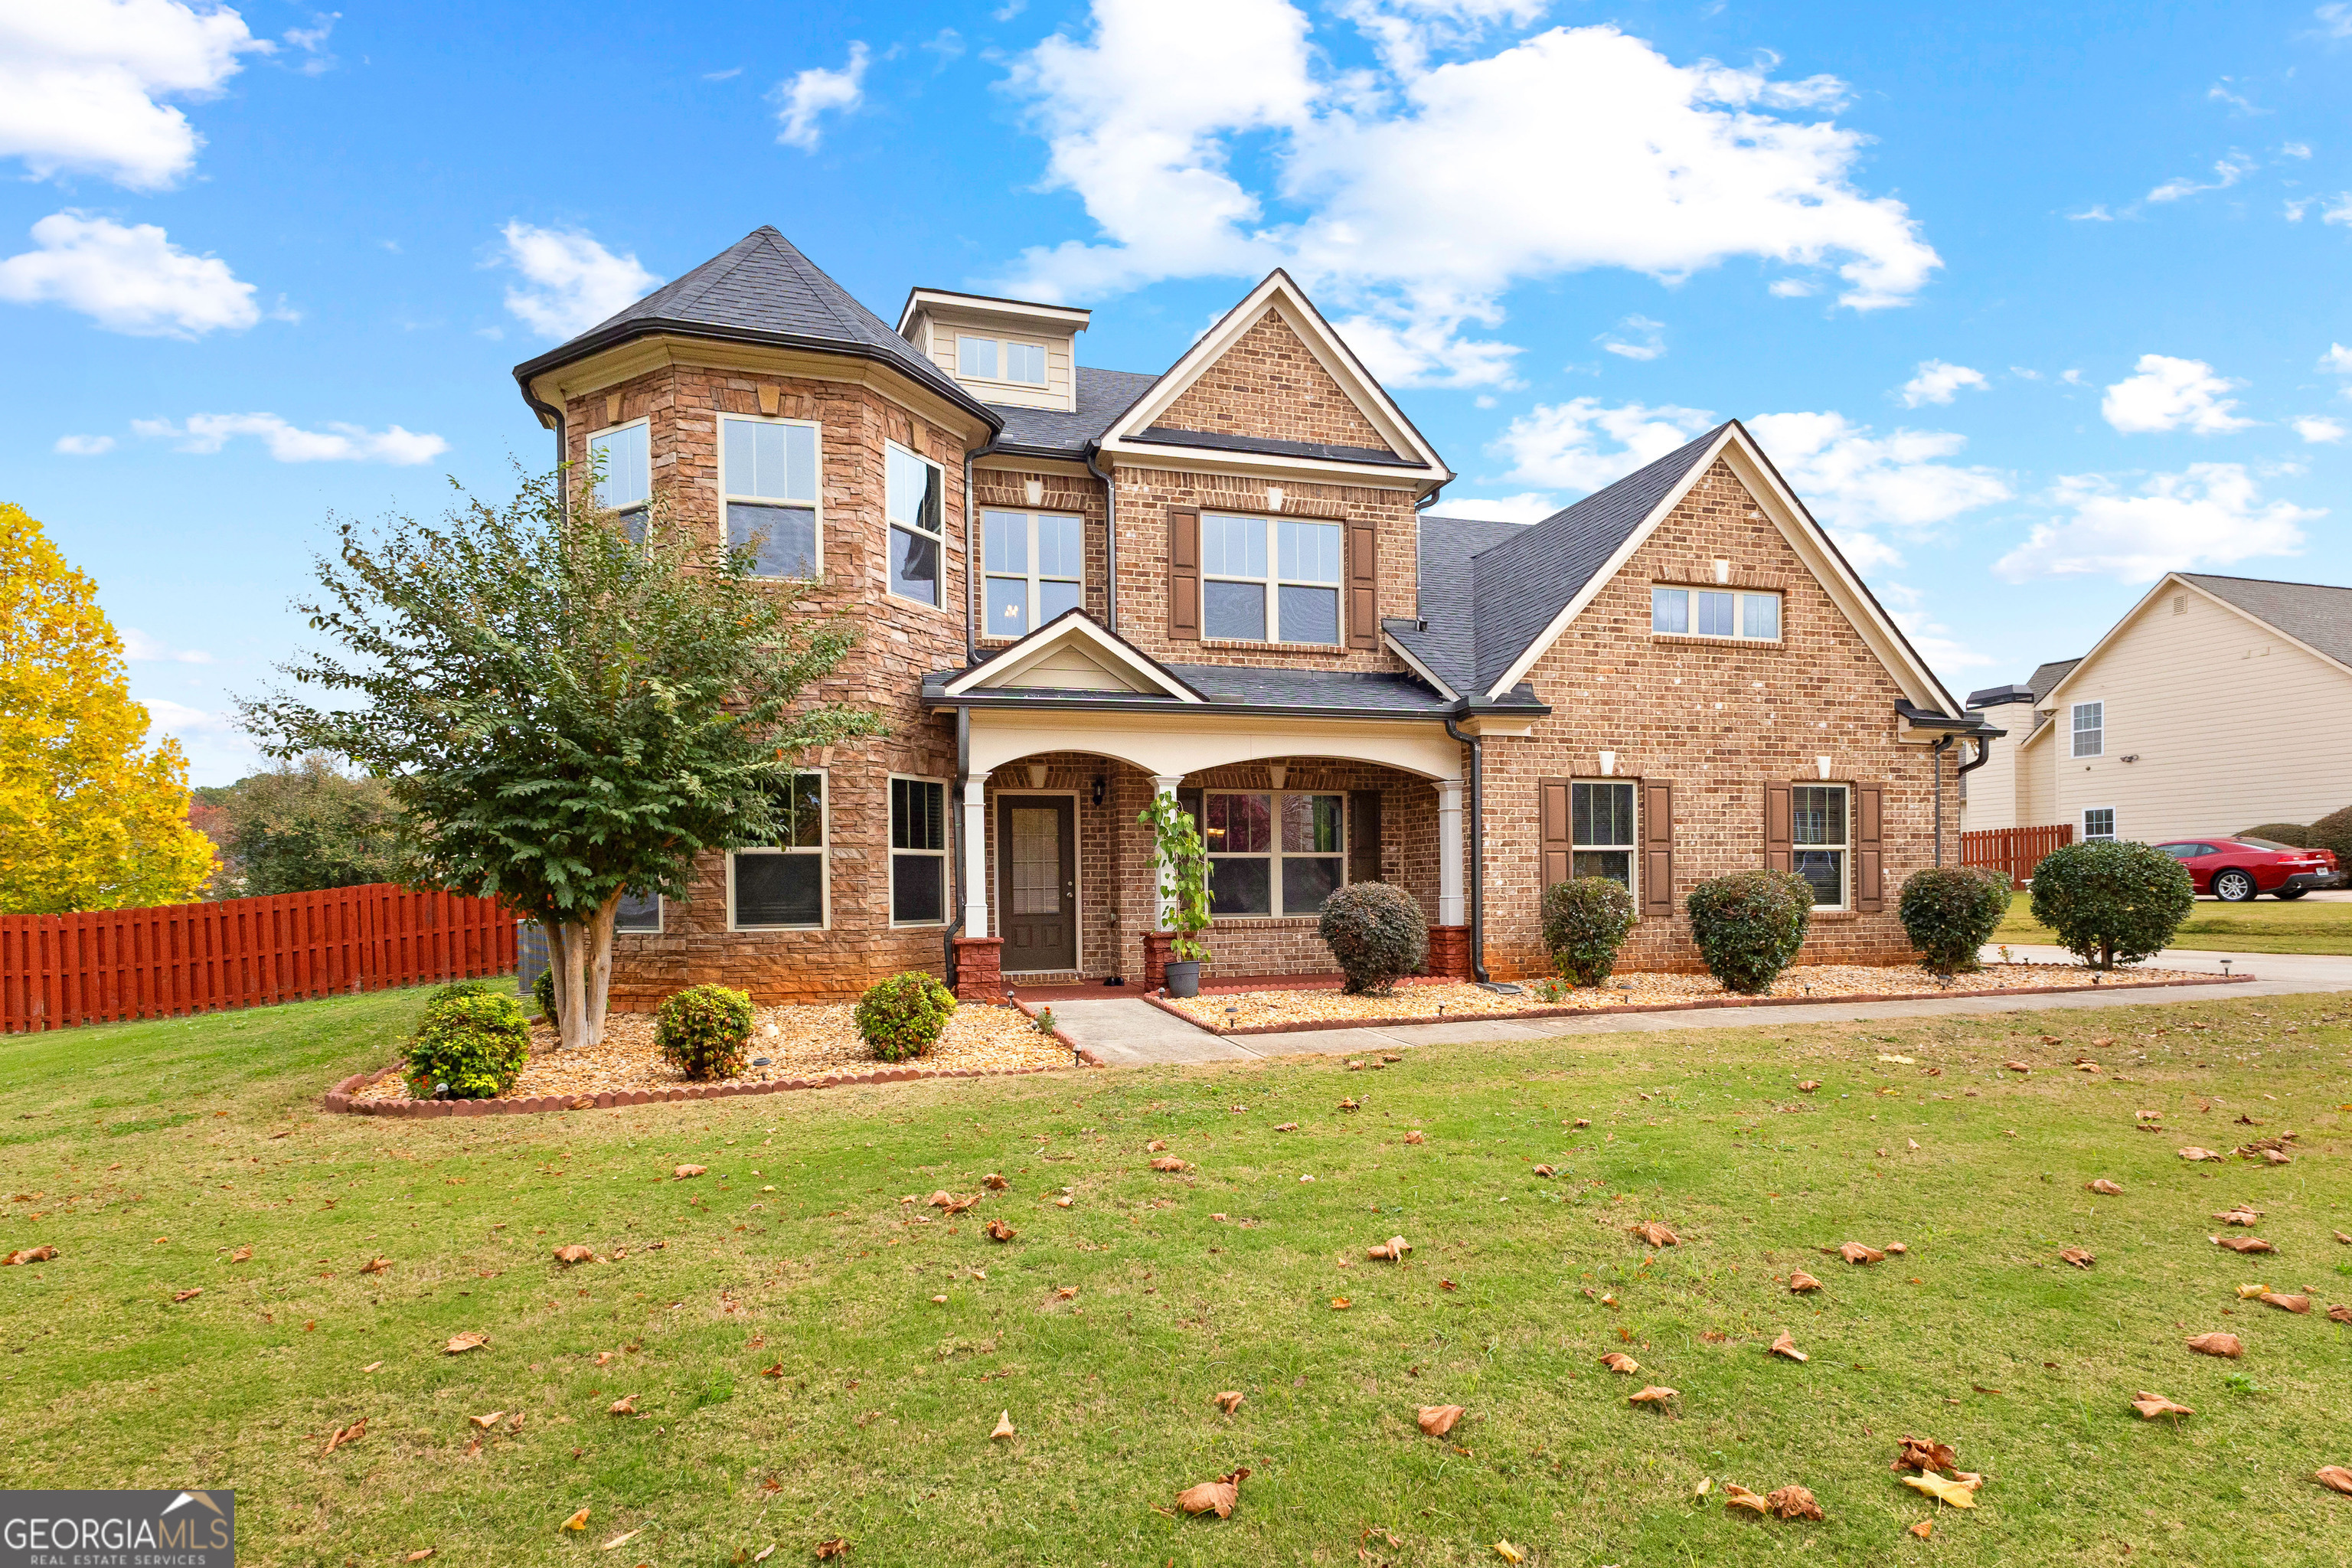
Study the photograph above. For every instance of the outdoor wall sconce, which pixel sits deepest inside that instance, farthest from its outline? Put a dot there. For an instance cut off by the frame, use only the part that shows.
(1098, 789)
(1274, 498)
(1608, 764)
(1035, 490)
(1822, 764)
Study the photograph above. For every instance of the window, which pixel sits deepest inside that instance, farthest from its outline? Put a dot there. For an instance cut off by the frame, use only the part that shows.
(2090, 729)
(2192, 851)
(918, 852)
(1250, 594)
(624, 456)
(783, 888)
(1026, 362)
(1601, 831)
(1035, 563)
(2098, 823)
(976, 358)
(768, 475)
(916, 504)
(1708, 613)
(1273, 853)
(638, 913)
(1818, 817)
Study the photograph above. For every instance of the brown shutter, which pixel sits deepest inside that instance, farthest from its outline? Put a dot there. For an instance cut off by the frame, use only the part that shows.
(1183, 573)
(1363, 585)
(1657, 847)
(1553, 795)
(1364, 835)
(1777, 831)
(1869, 807)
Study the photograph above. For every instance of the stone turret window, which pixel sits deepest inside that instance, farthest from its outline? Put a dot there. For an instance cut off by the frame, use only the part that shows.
(916, 505)
(624, 454)
(768, 473)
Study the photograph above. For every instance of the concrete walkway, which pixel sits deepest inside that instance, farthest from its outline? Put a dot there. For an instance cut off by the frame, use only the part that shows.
(1128, 1032)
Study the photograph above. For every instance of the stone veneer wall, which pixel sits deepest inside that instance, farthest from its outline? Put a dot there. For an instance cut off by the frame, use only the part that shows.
(1269, 383)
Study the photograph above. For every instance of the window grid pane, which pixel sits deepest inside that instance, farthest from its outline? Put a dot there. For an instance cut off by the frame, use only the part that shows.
(1670, 610)
(915, 498)
(1307, 614)
(1026, 362)
(1233, 546)
(1004, 536)
(1760, 616)
(914, 565)
(638, 911)
(627, 467)
(1715, 615)
(1601, 815)
(779, 890)
(918, 884)
(1233, 611)
(1310, 552)
(976, 356)
(1061, 545)
(782, 539)
(918, 815)
(1819, 814)
(1008, 607)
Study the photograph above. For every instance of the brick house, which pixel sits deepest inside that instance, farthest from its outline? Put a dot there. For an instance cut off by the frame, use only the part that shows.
(1077, 587)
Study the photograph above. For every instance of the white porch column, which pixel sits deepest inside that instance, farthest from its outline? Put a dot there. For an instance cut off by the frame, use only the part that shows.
(975, 854)
(1166, 902)
(1449, 853)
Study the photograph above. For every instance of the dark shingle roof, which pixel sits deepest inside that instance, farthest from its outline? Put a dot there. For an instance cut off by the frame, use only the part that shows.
(1445, 640)
(1244, 687)
(1272, 445)
(2046, 676)
(1103, 396)
(760, 289)
(2315, 613)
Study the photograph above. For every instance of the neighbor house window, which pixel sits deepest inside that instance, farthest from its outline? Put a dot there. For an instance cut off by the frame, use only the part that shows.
(1600, 829)
(768, 476)
(1821, 842)
(918, 852)
(1708, 613)
(782, 887)
(626, 456)
(638, 913)
(916, 501)
(1269, 579)
(1273, 853)
(1035, 563)
(979, 359)
(2090, 729)
(2098, 821)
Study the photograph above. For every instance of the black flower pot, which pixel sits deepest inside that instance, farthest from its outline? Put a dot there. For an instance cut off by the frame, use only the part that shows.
(1183, 977)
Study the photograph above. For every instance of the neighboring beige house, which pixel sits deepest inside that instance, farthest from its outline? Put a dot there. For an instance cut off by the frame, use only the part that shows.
(2216, 704)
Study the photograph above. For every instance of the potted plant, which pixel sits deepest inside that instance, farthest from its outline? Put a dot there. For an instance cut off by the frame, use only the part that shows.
(1184, 879)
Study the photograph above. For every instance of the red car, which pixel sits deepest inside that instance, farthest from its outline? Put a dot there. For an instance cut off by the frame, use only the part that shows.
(2237, 871)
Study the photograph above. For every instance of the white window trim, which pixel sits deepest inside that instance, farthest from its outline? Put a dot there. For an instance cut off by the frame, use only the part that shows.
(814, 503)
(1739, 612)
(1844, 847)
(1032, 576)
(823, 851)
(888, 528)
(661, 919)
(1002, 342)
(588, 452)
(947, 834)
(1274, 582)
(2073, 743)
(1273, 854)
(1632, 850)
(1001, 897)
(2114, 829)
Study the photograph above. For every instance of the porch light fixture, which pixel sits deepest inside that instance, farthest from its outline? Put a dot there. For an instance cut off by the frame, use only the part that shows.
(1034, 490)
(1822, 764)
(1037, 774)
(1098, 789)
(1608, 764)
(1274, 498)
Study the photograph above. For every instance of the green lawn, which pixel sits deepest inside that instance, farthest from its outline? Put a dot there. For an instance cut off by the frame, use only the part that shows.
(796, 1382)
(2265, 925)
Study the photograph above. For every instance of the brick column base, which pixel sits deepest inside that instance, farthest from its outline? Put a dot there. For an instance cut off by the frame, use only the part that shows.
(1449, 951)
(979, 972)
(1156, 953)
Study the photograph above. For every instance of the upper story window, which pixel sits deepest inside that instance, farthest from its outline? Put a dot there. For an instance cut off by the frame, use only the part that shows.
(1819, 816)
(1272, 852)
(2090, 729)
(624, 456)
(783, 888)
(768, 479)
(1000, 358)
(1035, 563)
(1709, 613)
(1270, 579)
(916, 504)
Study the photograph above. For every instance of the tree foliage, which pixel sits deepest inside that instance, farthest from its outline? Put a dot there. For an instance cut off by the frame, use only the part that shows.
(2112, 901)
(561, 712)
(91, 817)
(303, 825)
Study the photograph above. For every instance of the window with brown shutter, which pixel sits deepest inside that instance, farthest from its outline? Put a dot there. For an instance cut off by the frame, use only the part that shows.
(1552, 808)
(1869, 807)
(1657, 847)
(1184, 573)
(1364, 835)
(1363, 585)
(1778, 832)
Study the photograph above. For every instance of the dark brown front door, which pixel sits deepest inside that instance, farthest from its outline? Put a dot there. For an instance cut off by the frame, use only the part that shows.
(1037, 882)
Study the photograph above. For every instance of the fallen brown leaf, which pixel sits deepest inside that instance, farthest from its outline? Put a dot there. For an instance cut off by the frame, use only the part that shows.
(2334, 1478)
(1924, 1454)
(1541, 1171)
(487, 1422)
(2018, 1067)
(683, 1171)
(2077, 1257)
(419, 1555)
(1351, 1105)
(1654, 1395)
(997, 1230)
(1924, 1529)
(1170, 1162)
(2193, 1153)
(1793, 1502)
(620, 1540)
(1787, 1346)
(574, 1254)
(1937, 1487)
(188, 1294)
(1799, 1282)
(825, 1550)
(625, 1405)
(2105, 1186)
(577, 1522)
(1340, 1303)
(2241, 1214)
(2151, 1406)
(1003, 1427)
(1655, 1234)
(2339, 1314)
(345, 1436)
(1156, 1145)
(1228, 1402)
(2219, 1344)
(1856, 1253)
(1736, 1496)
(1217, 1497)
(465, 1342)
(994, 1183)
(375, 1266)
(1618, 1361)
(1437, 1420)
(1393, 1249)
(1809, 1085)
(1416, 1136)
(2242, 1243)
(2298, 1304)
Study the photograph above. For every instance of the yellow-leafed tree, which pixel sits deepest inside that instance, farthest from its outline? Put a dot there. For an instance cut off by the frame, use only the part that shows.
(90, 817)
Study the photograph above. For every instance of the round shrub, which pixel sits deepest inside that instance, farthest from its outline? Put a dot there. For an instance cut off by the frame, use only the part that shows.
(466, 988)
(2293, 835)
(1376, 934)
(2111, 902)
(471, 1045)
(902, 1016)
(1950, 911)
(1750, 925)
(2333, 831)
(1585, 921)
(543, 990)
(703, 1031)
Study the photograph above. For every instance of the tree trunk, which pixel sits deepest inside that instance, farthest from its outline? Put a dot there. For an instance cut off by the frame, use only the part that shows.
(582, 956)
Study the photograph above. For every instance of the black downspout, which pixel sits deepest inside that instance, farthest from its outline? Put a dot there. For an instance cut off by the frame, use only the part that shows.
(1984, 755)
(1477, 852)
(955, 831)
(1110, 541)
(1936, 759)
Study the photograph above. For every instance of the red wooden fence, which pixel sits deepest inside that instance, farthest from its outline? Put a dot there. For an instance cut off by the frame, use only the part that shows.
(109, 964)
(2015, 851)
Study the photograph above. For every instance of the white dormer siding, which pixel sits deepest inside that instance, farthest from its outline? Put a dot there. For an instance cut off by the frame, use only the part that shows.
(1002, 351)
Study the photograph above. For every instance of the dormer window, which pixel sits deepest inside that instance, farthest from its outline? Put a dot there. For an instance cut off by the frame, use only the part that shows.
(1000, 358)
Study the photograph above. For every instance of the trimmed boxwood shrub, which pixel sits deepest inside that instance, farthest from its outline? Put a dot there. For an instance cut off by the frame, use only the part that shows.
(2111, 902)
(1376, 934)
(703, 1031)
(1585, 921)
(471, 1045)
(1750, 925)
(902, 1016)
(2293, 835)
(1949, 913)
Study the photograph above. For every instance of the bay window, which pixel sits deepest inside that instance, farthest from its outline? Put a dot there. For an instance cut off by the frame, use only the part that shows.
(767, 483)
(915, 501)
(623, 454)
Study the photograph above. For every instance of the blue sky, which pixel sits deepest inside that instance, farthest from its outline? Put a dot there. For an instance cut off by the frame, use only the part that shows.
(2030, 303)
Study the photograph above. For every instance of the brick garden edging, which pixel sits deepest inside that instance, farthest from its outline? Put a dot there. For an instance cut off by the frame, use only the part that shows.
(1704, 1004)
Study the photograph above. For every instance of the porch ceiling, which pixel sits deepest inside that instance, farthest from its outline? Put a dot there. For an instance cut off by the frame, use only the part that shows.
(1184, 741)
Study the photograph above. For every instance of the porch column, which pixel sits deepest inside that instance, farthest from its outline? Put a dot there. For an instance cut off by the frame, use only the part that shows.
(975, 856)
(1450, 910)
(1164, 902)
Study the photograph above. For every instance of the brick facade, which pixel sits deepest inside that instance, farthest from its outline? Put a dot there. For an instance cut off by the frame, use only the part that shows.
(1269, 383)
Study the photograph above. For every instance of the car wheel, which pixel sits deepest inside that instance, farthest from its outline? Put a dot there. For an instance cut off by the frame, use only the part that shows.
(2290, 894)
(2234, 887)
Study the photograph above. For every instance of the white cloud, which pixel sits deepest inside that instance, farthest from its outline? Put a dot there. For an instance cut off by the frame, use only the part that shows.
(312, 42)
(83, 446)
(2295, 148)
(80, 84)
(1417, 197)
(2336, 19)
(1933, 640)
(2220, 93)
(1528, 506)
(1936, 382)
(204, 433)
(2316, 429)
(2095, 212)
(141, 648)
(572, 282)
(2168, 393)
(2337, 358)
(129, 280)
(1857, 481)
(1791, 288)
(2212, 514)
(2295, 207)
(802, 102)
(2226, 173)
(1582, 444)
(2341, 212)
(1652, 335)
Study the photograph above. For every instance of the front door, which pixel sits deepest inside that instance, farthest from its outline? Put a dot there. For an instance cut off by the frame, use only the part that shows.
(1037, 882)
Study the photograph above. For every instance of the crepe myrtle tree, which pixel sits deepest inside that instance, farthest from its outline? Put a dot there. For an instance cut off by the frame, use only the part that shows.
(566, 707)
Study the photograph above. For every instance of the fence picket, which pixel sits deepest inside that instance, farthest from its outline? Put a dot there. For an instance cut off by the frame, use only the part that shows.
(2013, 851)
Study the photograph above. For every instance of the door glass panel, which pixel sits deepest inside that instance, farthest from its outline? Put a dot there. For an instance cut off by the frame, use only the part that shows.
(1037, 860)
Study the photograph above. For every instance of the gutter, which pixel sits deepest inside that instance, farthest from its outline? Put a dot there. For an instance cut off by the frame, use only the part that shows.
(955, 832)
(1477, 852)
(1251, 709)
(1111, 539)
(552, 416)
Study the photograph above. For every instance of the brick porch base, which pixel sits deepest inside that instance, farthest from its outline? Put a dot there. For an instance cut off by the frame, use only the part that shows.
(979, 972)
